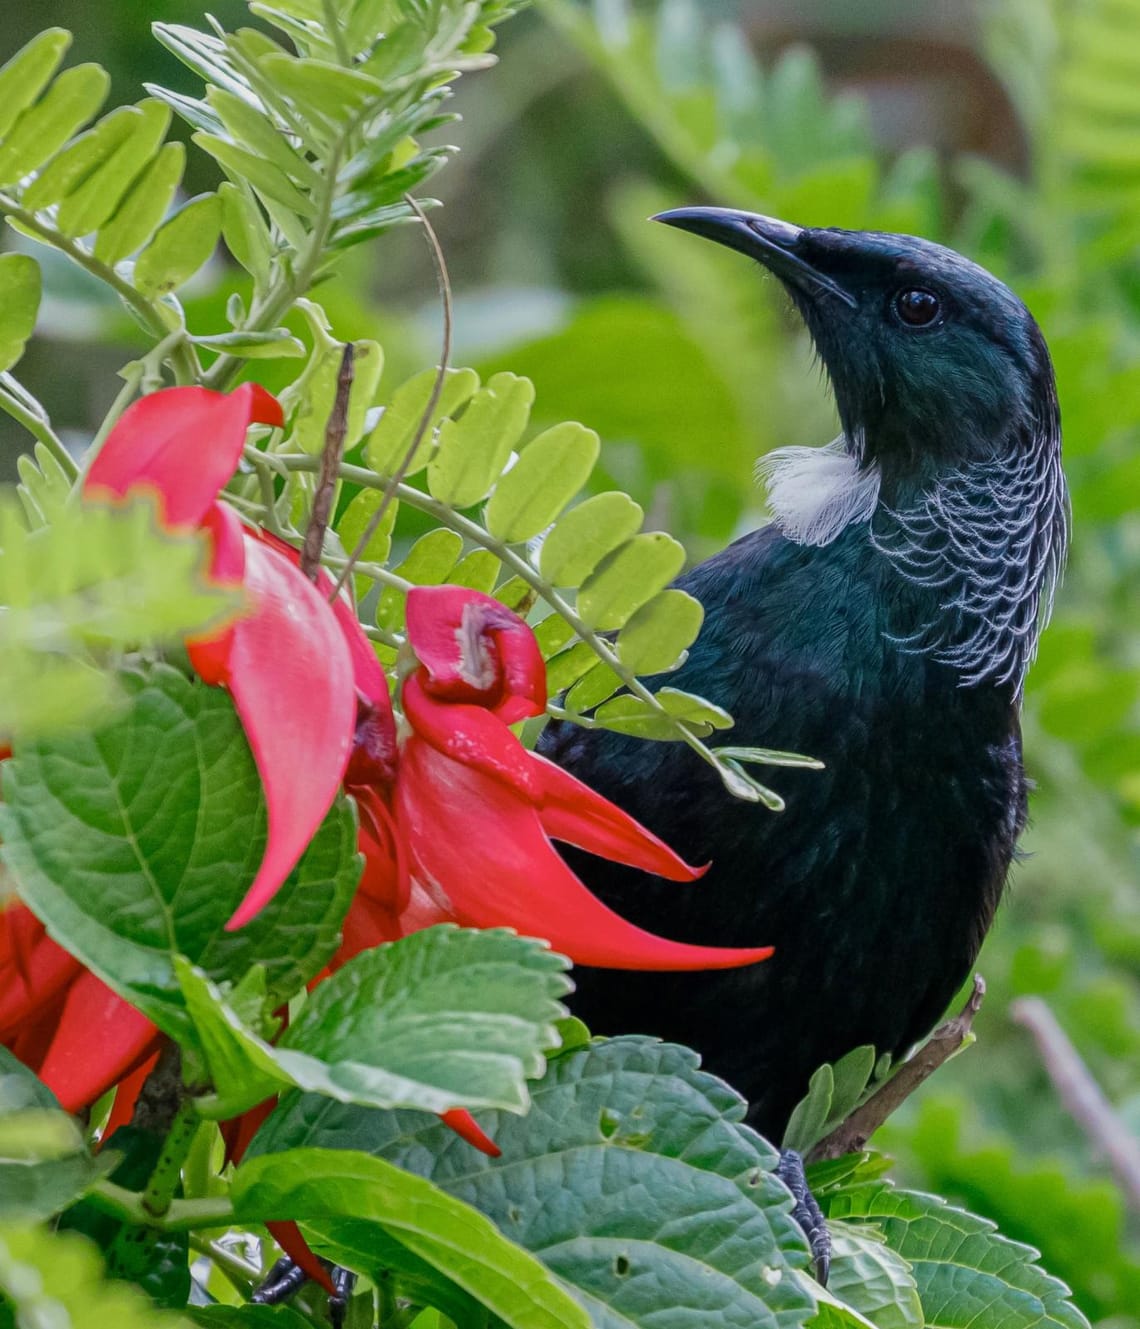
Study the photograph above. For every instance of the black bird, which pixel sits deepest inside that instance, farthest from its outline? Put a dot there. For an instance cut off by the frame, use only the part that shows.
(883, 622)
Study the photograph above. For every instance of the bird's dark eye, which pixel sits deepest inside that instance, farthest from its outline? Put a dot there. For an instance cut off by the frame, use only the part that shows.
(917, 308)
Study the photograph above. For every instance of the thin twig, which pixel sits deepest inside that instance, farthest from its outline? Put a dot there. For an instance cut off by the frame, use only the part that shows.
(335, 433)
(1082, 1097)
(851, 1135)
(394, 479)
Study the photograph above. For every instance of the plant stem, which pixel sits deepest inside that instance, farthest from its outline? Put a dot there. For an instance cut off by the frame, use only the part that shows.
(181, 1215)
(159, 1193)
(243, 1277)
(39, 426)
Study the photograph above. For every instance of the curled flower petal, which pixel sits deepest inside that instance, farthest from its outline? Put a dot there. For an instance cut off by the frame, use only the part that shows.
(475, 649)
(210, 654)
(467, 1128)
(574, 813)
(183, 443)
(288, 1236)
(470, 735)
(495, 867)
(34, 969)
(290, 675)
(99, 1039)
(126, 1096)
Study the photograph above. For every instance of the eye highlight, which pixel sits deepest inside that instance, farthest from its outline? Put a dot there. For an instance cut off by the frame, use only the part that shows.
(916, 307)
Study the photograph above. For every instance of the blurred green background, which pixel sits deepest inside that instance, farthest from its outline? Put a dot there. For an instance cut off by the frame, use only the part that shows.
(1010, 130)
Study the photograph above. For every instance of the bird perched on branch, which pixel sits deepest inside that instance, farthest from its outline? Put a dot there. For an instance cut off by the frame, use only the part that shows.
(883, 622)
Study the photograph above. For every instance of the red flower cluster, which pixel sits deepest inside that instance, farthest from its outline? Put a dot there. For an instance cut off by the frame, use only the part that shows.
(456, 822)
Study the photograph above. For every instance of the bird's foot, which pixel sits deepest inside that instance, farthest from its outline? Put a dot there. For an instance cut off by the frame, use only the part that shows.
(286, 1279)
(806, 1211)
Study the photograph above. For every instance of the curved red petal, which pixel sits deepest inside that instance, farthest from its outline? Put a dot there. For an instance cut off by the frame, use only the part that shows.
(290, 676)
(34, 970)
(98, 1040)
(288, 1236)
(209, 655)
(126, 1096)
(496, 868)
(576, 814)
(475, 649)
(183, 443)
(385, 878)
(469, 735)
(467, 1128)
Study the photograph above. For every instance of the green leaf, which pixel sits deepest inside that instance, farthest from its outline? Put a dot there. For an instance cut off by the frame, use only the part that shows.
(429, 563)
(69, 169)
(567, 667)
(966, 1273)
(631, 715)
(479, 570)
(632, 1177)
(592, 688)
(254, 130)
(142, 209)
(353, 523)
(473, 450)
(266, 178)
(19, 305)
(658, 635)
(275, 344)
(546, 477)
(873, 1279)
(329, 1189)
(244, 230)
(629, 577)
(41, 130)
(97, 199)
(28, 72)
(810, 1115)
(317, 85)
(57, 1279)
(247, 1317)
(312, 417)
(135, 842)
(389, 442)
(180, 246)
(582, 537)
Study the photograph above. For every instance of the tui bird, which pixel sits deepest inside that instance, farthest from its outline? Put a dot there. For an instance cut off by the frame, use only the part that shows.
(883, 622)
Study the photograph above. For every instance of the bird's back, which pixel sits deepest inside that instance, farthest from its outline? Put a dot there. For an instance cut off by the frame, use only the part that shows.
(877, 883)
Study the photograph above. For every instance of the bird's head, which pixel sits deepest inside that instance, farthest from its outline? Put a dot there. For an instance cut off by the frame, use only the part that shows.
(933, 361)
(951, 427)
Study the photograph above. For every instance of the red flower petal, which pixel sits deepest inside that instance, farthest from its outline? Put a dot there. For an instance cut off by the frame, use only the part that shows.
(576, 814)
(288, 1236)
(34, 970)
(126, 1096)
(184, 443)
(99, 1039)
(475, 649)
(496, 868)
(467, 1128)
(290, 675)
(210, 654)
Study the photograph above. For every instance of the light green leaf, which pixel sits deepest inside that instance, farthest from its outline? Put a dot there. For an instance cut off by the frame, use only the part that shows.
(567, 667)
(592, 688)
(333, 1189)
(57, 1279)
(244, 230)
(325, 88)
(68, 169)
(390, 440)
(141, 211)
(89, 205)
(429, 563)
(657, 636)
(810, 1115)
(353, 523)
(479, 570)
(19, 305)
(582, 537)
(135, 842)
(632, 1177)
(546, 477)
(629, 577)
(268, 179)
(28, 72)
(44, 128)
(252, 129)
(966, 1273)
(873, 1279)
(180, 246)
(473, 450)
(631, 715)
(552, 634)
(275, 344)
(312, 418)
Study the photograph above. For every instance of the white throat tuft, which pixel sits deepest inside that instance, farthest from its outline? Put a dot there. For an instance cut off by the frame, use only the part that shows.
(816, 493)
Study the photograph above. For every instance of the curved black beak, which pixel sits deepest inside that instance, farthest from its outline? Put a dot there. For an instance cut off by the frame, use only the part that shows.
(771, 242)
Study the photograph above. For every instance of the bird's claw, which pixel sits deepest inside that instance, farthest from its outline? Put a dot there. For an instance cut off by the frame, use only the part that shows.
(806, 1211)
(286, 1278)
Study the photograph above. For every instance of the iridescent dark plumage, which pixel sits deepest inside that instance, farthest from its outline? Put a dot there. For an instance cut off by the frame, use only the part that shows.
(884, 623)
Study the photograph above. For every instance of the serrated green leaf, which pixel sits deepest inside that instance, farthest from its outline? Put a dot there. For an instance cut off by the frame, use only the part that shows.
(472, 451)
(137, 840)
(582, 537)
(632, 1177)
(180, 246)
(244, 231)
(429, 563)
(550, 471)
(57, 1279)
(142, 210)
(628, 578)
(41, 130)
(965, 1272)
(20, 287)
(389, 442)
(25, 75)
(312, 417)
(327, 1189)
(873, 1279)
(661, 631)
